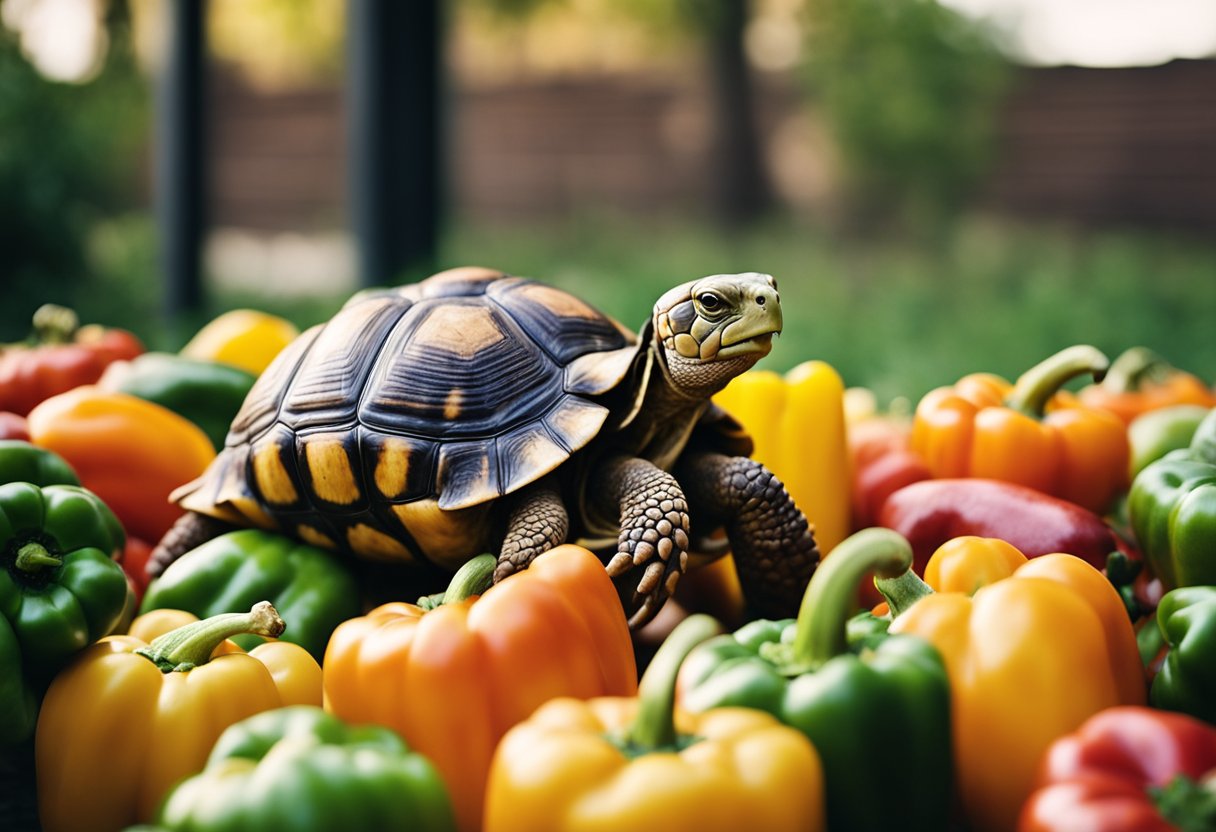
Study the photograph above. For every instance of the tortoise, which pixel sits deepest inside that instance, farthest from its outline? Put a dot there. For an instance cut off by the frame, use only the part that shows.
(475, 411)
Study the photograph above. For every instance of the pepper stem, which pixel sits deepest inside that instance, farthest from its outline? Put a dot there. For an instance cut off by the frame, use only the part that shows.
(1037, 385)
(474, 578)
(654, 727)
(1186, 804)
(902, 592)
(54, 324)
(831, 597)
(34, 557)
(192, 644)
(1133, 368)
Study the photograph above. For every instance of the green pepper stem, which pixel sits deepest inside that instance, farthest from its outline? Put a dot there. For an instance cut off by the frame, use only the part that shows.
(1037, 385)
(191, 645)
(1132, 368)
(654, 726)
(474, 578)
(54, 324)
(902, 592)
(831, 597)
(33, 557)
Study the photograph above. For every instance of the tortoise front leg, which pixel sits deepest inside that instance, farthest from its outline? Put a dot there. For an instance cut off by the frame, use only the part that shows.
(189, 532)
(654, 531)
(773, 545)
(536, 523)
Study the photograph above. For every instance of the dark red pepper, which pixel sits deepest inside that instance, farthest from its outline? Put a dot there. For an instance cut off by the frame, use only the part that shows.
(13, 426)
(931, 512)
(1127, 769)
(882, 462)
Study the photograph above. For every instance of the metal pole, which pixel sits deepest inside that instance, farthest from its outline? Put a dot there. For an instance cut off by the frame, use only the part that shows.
(180, 156)
(393, 96)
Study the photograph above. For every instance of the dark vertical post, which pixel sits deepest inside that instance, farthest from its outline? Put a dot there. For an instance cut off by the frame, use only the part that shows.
(180, 155)
(393, 95)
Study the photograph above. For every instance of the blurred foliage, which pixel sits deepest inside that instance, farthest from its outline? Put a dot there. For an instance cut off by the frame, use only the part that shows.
(280, 42)
(69, 155)
(898, 316)
(910, 90)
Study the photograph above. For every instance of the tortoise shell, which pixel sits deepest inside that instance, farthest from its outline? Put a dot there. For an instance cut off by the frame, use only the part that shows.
(390, 429)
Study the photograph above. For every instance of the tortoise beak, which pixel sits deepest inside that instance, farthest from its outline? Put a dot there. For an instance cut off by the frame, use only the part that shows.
(753, 332)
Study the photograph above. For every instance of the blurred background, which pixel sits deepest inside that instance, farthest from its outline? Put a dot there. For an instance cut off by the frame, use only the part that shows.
(939, 187)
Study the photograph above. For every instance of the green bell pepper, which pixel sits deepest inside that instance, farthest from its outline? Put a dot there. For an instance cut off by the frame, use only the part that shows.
(1154, 434)
(1186, 618)
(60, 590)
(301, 769)
(207, 393)
(1172, 507)
(879, 718)
(22, 462)
(312, 590)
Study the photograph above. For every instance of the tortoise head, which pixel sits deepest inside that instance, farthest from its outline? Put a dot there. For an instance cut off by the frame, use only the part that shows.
(711, 330)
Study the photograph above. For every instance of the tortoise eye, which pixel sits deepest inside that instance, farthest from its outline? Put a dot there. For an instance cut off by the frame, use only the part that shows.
(709, 301)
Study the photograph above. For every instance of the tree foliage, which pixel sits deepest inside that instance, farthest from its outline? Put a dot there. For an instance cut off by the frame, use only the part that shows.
(68, 157)
(910, 90)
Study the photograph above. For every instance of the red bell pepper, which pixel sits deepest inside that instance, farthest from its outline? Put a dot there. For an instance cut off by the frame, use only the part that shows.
(59, 356)
(931, 512)
(1127, 769)
(13, 426)
(880, 450)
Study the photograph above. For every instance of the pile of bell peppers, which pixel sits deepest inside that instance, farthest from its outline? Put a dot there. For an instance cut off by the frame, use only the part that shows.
(1042, 657)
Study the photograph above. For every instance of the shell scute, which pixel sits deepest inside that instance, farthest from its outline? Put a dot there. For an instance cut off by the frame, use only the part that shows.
(327, 384)
(458, 370)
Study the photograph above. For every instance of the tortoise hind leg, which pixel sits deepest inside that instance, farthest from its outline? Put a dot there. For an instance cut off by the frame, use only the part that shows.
(773, 545)
(190, 531)
(536, 523)
(653, 516)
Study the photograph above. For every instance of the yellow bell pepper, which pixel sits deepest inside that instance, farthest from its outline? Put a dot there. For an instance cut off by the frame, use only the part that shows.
(1039, 647)
(798, 424)
(129, 719)
(244, 338)
(637, 763)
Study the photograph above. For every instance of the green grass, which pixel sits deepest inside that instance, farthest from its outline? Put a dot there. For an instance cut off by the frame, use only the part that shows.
(900, 316)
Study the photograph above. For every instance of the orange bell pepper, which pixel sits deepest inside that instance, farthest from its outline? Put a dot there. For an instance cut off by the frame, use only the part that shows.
(451, 680)
(1040, 646)
(1029, 433)
(130, 718)
(1139, 380)
(128, 451)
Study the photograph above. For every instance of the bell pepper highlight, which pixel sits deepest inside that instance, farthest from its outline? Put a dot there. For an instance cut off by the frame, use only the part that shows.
(633, 763)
